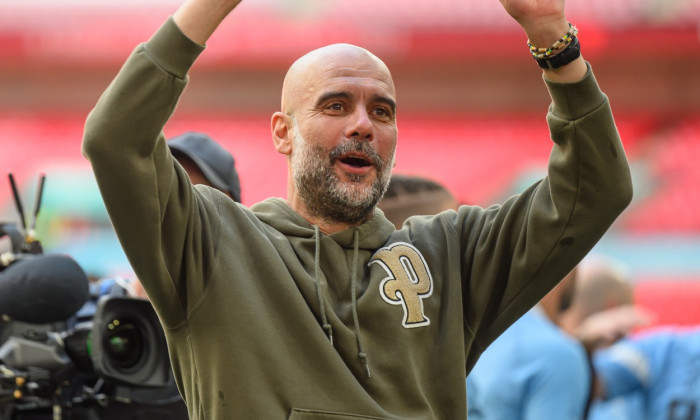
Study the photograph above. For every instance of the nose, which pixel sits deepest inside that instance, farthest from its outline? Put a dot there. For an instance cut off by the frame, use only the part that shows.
(360, 125)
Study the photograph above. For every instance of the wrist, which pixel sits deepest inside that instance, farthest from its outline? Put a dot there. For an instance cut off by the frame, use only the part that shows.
(561, 59)
(548, 32)
(569, 73)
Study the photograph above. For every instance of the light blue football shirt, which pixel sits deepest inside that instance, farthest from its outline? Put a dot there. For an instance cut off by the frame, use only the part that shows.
(533, 371)
(662, 368)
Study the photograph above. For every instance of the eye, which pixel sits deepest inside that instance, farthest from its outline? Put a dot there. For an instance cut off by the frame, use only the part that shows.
(383, 112)
(335, 106)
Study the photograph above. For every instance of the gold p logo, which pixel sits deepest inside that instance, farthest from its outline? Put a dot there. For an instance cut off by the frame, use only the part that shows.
(408, 282)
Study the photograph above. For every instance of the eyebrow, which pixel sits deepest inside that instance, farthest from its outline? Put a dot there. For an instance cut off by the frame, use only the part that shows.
(386, 101)
(345, 95)
(332, 95)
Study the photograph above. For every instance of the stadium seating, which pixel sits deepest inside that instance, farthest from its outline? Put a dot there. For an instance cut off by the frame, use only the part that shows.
(673, 203)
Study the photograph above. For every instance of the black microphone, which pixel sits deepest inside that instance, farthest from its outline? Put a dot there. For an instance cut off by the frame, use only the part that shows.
(43, 289)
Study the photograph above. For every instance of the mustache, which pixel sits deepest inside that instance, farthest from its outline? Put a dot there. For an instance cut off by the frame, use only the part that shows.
(355, 145)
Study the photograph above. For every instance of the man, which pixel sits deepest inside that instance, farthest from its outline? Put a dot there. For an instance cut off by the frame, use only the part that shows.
(648, 375)
(534, 370)
(408, 196)
(206, 162)
(543, 359)
(602, 311)
(652, 375)
(316, 306)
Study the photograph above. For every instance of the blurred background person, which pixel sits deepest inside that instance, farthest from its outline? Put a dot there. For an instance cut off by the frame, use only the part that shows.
(648, 376)
(602, 312)
(409, 195)
(528, 374)
(534, 370)
(603, 307)
(207, 162)
(544, 364)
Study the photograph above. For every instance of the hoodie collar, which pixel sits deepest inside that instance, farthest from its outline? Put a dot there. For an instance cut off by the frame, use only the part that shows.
(277, 213)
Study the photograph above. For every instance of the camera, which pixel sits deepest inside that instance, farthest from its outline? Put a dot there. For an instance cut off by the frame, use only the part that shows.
(117, 357)
(70, 350)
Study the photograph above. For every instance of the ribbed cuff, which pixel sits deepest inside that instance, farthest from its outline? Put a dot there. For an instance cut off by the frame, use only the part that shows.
(574, 100)
(172, 50)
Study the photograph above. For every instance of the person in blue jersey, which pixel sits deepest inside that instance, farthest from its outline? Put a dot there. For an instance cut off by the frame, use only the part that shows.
(627, 407)
(602, 310)
(601, 313)
(534, 370)
(653, 375)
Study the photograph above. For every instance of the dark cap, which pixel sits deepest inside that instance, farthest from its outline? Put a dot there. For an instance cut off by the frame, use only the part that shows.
(215, 162)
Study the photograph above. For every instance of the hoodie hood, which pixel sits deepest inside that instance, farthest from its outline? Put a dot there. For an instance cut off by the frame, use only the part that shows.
(275, 212)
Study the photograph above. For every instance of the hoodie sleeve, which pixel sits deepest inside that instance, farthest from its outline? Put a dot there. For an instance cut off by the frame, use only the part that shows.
(149, 198)
(518, 251)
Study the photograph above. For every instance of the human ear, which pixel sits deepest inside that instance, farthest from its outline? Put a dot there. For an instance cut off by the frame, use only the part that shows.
(281, 133)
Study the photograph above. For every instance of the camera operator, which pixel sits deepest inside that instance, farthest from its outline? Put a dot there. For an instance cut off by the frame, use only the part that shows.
(207, 162)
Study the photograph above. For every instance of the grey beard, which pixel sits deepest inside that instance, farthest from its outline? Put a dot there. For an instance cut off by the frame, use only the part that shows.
(322, 192)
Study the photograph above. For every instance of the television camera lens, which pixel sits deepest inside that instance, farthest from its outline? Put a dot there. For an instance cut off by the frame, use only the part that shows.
(127, 343)
(124, 343)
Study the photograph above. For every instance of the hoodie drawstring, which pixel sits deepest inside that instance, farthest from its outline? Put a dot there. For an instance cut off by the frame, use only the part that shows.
(324, 319)
(353, 285)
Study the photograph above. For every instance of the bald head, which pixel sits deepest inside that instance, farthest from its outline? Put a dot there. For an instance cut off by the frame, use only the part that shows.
(309, 73)
(602, 285)
(337, 124)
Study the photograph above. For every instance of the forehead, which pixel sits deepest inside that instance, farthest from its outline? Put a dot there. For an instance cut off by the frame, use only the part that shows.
(347, 71)
(367, 78)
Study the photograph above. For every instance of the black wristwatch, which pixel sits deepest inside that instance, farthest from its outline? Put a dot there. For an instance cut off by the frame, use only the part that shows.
(569, 54)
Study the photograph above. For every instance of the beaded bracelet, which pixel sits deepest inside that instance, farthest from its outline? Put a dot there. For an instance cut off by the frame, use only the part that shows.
(564, 41)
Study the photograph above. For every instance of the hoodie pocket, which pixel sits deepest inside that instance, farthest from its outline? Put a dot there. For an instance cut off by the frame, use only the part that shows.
(301, 414)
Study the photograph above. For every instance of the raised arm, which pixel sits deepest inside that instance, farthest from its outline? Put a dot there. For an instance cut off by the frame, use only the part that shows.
(163, 226)
(539, 236)
(545, 23)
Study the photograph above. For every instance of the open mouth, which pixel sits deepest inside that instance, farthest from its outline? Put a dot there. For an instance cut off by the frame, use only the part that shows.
(356, 161)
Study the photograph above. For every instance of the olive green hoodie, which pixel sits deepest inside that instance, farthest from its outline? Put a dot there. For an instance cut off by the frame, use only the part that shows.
(267, 318)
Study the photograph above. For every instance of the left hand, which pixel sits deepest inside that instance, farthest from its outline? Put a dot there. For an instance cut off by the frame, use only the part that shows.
(544, 21)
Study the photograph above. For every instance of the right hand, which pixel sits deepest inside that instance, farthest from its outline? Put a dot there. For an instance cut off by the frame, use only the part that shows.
(604, 328)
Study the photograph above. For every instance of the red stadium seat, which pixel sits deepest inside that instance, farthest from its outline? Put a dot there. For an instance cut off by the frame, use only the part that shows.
(674, 302)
